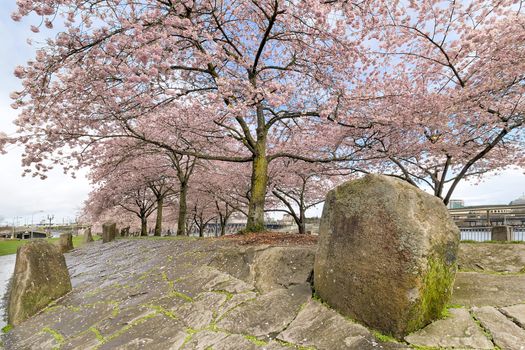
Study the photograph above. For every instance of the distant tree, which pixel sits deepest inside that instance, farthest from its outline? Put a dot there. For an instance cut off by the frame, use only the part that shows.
(299, 187)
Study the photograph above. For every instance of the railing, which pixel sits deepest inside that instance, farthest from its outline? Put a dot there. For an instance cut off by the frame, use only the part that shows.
(478, 234)
(518, 233)
(482, 234)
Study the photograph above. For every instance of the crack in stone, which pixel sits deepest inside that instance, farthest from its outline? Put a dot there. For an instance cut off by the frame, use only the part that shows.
(511, 318)
(485, 330)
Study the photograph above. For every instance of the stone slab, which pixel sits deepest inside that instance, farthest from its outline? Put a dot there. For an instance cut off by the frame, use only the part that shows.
(205, 340)
(516, 313)
(320, 327)
(505, 333)
(491, 257)
(156, 332)
(280, 267)
(456, 331)
(481, 289)
(501, 233)
(269, 314)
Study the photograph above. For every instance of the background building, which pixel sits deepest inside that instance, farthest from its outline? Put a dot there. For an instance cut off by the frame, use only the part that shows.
(512, 214)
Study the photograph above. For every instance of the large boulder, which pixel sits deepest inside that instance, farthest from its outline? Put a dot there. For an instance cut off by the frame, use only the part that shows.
(386, 255)
(109, 231)
(40, 277)
(65, 242)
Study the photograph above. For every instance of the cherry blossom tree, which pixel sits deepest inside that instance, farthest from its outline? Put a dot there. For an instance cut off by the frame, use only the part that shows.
(432, 89)
(299, 187)
(203, 211)
(117, 193)
(256, 73)
(449, 103)
(150, 168)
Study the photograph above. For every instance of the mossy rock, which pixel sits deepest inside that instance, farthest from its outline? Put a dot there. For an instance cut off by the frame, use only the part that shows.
(65, 243)
(40, 277)
(387, 254)
(109, 232)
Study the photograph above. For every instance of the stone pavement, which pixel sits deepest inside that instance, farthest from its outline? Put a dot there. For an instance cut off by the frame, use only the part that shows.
(189, 294)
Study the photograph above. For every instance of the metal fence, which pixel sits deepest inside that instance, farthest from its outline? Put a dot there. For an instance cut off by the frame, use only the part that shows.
(478, 234)
(518, 234)
(482, 234)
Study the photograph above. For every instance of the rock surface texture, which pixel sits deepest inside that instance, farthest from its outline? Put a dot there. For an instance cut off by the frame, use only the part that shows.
(386, 255)
(182, 294)
(109, 232)
(40, 277)
(187, 294)
(65, 242)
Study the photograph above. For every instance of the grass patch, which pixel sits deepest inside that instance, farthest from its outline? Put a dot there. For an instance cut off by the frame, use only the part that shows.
(383, 337)
(7, 328)
(455, 306)
(9, 246)
(493, 242)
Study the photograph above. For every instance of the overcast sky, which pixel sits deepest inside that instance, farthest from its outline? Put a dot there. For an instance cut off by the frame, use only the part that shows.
(27, 197)
(23, 199)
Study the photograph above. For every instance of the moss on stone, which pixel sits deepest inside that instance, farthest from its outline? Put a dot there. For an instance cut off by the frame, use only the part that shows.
(383, 337)
(183, 296)
(98, 335)
(59, 338)
(129, 326)
(116, 308)
(434, 294)
(294, 346)
(162, 311)
(228, 295)
(419, 347)
(190, 332)
(254, 340)
(7, 328)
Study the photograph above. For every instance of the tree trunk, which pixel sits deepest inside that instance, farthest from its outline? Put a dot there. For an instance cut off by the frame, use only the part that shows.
(302, 224)
(223, 222)
(143, 226)
(183, 209)
(259, 182)
(158, 222)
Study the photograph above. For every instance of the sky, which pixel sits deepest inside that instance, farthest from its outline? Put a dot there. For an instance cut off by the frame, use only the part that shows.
(23, 199)
(27, 199)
